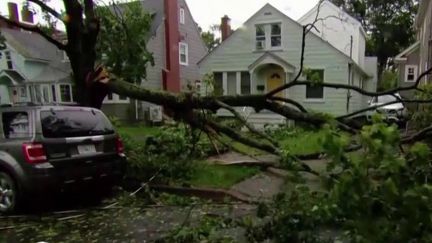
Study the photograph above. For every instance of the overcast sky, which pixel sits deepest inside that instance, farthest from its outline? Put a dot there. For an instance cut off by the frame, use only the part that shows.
(208, 12)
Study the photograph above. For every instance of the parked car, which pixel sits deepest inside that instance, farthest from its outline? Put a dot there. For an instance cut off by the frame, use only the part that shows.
(44, 149)
(394, 113)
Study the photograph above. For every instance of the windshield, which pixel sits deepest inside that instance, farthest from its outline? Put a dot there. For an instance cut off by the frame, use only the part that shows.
(386, 99)
(74, 123)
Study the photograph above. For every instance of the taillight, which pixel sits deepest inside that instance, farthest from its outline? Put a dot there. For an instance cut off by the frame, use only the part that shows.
(119, 146)
(34, 153)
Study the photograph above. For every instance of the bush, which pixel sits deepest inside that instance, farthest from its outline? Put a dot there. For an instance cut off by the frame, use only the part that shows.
(170, 154)
(382, 195)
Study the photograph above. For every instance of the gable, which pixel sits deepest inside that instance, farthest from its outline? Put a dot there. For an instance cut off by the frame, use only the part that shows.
(335, 11)
(241, 44)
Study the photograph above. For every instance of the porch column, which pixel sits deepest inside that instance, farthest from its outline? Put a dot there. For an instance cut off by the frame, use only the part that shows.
(252, 82)
(238, 83)
(225, 83)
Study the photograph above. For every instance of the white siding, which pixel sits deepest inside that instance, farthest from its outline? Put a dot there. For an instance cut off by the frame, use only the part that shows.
(338, 30)
(237, 53)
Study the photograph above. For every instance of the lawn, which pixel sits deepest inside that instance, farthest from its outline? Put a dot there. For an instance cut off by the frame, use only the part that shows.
(138, 131)
(221, 176)
(303, 142)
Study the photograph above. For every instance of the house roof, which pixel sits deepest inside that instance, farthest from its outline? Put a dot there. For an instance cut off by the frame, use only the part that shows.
(54, 72)
(268, 5)
(155, 7)
(402, 56)
(287, 66)
(13, 75)
(335, 8)
(31, 45)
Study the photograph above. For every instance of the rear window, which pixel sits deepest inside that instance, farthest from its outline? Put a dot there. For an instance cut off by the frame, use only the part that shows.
(74, 123)
(15, 124)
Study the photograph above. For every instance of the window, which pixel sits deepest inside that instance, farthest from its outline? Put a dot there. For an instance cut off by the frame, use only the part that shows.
(110, 96)
(232, 83)
(184, 55)
(23, 92)
(276, 37)
(218, 84)
(182, 16)
(9, 60)
(260, 37)
(245, 83)
(15, 125)
(74, 123)
(65, 93)
(411, 73)
(116, 99)
(315, 91)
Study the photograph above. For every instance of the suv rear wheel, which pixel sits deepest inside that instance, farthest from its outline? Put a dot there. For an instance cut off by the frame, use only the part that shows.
(8, 194)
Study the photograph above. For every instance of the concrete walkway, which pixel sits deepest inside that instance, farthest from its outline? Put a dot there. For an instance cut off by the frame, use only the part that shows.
(234, 158)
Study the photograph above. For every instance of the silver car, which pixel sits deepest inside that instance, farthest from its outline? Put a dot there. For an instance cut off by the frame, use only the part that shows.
(394, 112)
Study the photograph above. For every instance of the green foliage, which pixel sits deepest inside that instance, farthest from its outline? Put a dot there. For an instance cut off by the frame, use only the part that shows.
(115, 121)
(206, 231)
(169, 154)
(390, 25)
(382, 195)
(314, 76)
(422, 116)
(122, 46)
(209, 37)
(389, 80)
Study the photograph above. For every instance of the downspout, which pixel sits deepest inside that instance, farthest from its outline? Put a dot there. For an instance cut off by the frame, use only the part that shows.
(349, 76)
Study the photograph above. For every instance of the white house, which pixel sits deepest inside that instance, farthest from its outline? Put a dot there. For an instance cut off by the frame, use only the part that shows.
(265, 53)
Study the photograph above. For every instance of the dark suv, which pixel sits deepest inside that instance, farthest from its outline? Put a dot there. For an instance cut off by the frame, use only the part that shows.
(54, 148)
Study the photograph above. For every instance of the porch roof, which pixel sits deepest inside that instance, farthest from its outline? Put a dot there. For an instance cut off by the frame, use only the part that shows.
(15, 77)
(271, 58)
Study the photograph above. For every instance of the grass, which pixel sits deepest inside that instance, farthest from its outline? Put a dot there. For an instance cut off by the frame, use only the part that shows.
(302, 142)
(138, 131)
(221, 176)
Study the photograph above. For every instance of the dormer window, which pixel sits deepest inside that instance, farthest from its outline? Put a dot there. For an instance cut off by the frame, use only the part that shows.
(268, 36)
(8, 60)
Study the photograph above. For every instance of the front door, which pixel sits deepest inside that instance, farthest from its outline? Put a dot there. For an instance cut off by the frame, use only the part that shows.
(275, 81)
(4, 95)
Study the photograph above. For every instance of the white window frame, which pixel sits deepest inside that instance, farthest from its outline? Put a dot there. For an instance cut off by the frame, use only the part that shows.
(186, 48)
(407, 68)
(182, 15)
(116, 100)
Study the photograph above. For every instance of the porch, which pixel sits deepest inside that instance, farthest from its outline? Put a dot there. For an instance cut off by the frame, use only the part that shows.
(265, 74)
(14, 88)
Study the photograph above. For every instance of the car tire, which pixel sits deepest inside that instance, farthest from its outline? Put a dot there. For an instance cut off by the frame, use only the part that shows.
(8, 194)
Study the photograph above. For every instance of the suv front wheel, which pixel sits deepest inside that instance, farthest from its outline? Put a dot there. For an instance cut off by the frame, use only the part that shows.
(8, 194)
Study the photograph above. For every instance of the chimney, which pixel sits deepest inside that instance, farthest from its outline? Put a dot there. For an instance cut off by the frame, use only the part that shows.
(225, 27)
(171, 74)
(27, 15)
(13, 12)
